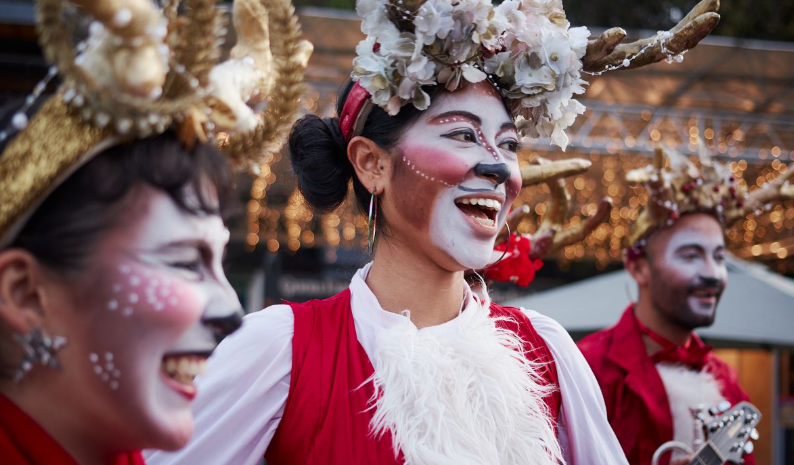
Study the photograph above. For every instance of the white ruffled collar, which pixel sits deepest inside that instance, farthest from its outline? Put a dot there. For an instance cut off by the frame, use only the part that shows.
(370, 316)
(458, 390)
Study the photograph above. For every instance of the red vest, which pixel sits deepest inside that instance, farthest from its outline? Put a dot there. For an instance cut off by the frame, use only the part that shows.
(326, 416)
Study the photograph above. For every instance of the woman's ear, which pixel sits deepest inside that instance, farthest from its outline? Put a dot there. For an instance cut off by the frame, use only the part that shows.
(372, 163)
(20, 291)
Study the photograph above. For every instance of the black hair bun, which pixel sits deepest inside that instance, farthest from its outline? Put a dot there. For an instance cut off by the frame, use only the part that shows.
(319, 159)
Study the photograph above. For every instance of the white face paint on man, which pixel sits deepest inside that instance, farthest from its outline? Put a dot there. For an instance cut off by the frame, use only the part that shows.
(144, 317)
(687, 270)
(455, 176)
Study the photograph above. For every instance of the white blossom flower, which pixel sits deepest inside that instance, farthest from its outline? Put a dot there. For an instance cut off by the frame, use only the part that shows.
(434, 20)
(372, 14)
(527, 45)
(510, 11)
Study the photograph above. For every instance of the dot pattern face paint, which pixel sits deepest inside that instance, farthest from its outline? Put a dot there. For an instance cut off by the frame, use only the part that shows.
(423, 174)
(105, 369)
(135, 289)
(158, 293)
(484, 142)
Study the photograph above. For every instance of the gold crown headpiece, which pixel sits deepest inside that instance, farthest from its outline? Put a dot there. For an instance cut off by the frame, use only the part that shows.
(676, 187)
(144, 70)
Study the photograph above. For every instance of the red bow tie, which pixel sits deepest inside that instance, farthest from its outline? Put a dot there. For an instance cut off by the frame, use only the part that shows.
(692, 354)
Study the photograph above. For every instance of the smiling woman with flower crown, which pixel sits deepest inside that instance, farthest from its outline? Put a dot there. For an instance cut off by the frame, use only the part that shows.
(409, 365)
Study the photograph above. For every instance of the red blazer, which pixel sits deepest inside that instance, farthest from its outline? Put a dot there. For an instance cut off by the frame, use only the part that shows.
(326, 416)
(636, 400)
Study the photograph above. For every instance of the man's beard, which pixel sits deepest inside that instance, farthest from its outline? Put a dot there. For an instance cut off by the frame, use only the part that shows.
(676, 305)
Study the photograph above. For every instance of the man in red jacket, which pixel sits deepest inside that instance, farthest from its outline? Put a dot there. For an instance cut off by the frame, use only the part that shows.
(651, 366)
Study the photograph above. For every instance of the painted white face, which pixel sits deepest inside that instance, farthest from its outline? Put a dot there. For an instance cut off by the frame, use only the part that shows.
(688, 272)
(152, 307)
(456, 175)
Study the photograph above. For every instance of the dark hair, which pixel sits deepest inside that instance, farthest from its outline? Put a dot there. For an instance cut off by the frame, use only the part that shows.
(62, 231)
(319, 152)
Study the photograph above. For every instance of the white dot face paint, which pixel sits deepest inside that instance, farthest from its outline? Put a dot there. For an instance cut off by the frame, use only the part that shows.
(435, 171)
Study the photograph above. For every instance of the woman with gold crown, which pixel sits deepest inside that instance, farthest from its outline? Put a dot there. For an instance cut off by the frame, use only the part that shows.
(112, 293)
(409, 365)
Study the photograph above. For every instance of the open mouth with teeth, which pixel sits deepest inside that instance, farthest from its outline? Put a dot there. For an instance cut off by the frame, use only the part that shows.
(483, 211)
(180, 370)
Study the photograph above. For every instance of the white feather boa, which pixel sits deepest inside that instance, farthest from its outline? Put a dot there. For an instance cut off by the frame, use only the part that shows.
(468, 398)
(687, 388)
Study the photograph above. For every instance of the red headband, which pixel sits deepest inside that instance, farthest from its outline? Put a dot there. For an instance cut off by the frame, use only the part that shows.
(355, 111)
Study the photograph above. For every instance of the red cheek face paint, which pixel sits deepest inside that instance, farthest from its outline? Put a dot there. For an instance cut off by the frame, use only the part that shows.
(417, 190)
(513, 184)
(435, 164)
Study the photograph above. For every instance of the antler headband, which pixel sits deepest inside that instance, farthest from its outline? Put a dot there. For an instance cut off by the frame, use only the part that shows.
(143, 70)
(676, 187)
(525, 47)
(523, 253)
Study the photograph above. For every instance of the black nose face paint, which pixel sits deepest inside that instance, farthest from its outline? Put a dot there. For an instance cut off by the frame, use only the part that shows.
(497, 171)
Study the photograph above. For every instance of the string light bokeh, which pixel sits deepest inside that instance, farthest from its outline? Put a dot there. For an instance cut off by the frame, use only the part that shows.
(279, 219)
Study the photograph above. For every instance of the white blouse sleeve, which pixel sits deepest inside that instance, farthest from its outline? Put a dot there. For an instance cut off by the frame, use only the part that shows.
(584, 431)
(241, 398)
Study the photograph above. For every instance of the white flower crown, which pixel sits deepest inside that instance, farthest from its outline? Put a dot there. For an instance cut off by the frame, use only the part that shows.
(526, 47)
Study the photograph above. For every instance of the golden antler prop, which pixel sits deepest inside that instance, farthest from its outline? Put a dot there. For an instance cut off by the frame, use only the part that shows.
(657, 181)
(289, 56)
(551, 236)
(606, 52)
(676, 187)
(778, 190)
(517, 258)
(246, 77)
(536, 174)
(551, 228)
(565, 237)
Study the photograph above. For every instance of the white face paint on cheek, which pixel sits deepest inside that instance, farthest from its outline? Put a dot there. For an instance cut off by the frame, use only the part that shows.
(450, 232)
(138, 293)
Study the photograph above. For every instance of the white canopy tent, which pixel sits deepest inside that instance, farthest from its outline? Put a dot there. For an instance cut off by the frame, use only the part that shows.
(757, 308)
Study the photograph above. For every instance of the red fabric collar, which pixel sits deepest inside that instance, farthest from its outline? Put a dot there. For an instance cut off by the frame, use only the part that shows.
(694, 353)
(24, 442)
(351, 111)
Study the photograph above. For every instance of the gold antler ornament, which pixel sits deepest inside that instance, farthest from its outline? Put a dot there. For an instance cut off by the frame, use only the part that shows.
(557, 211)
(607, 53)
(143, 71)
(520, 254)
(527, 48)
(676, 187)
